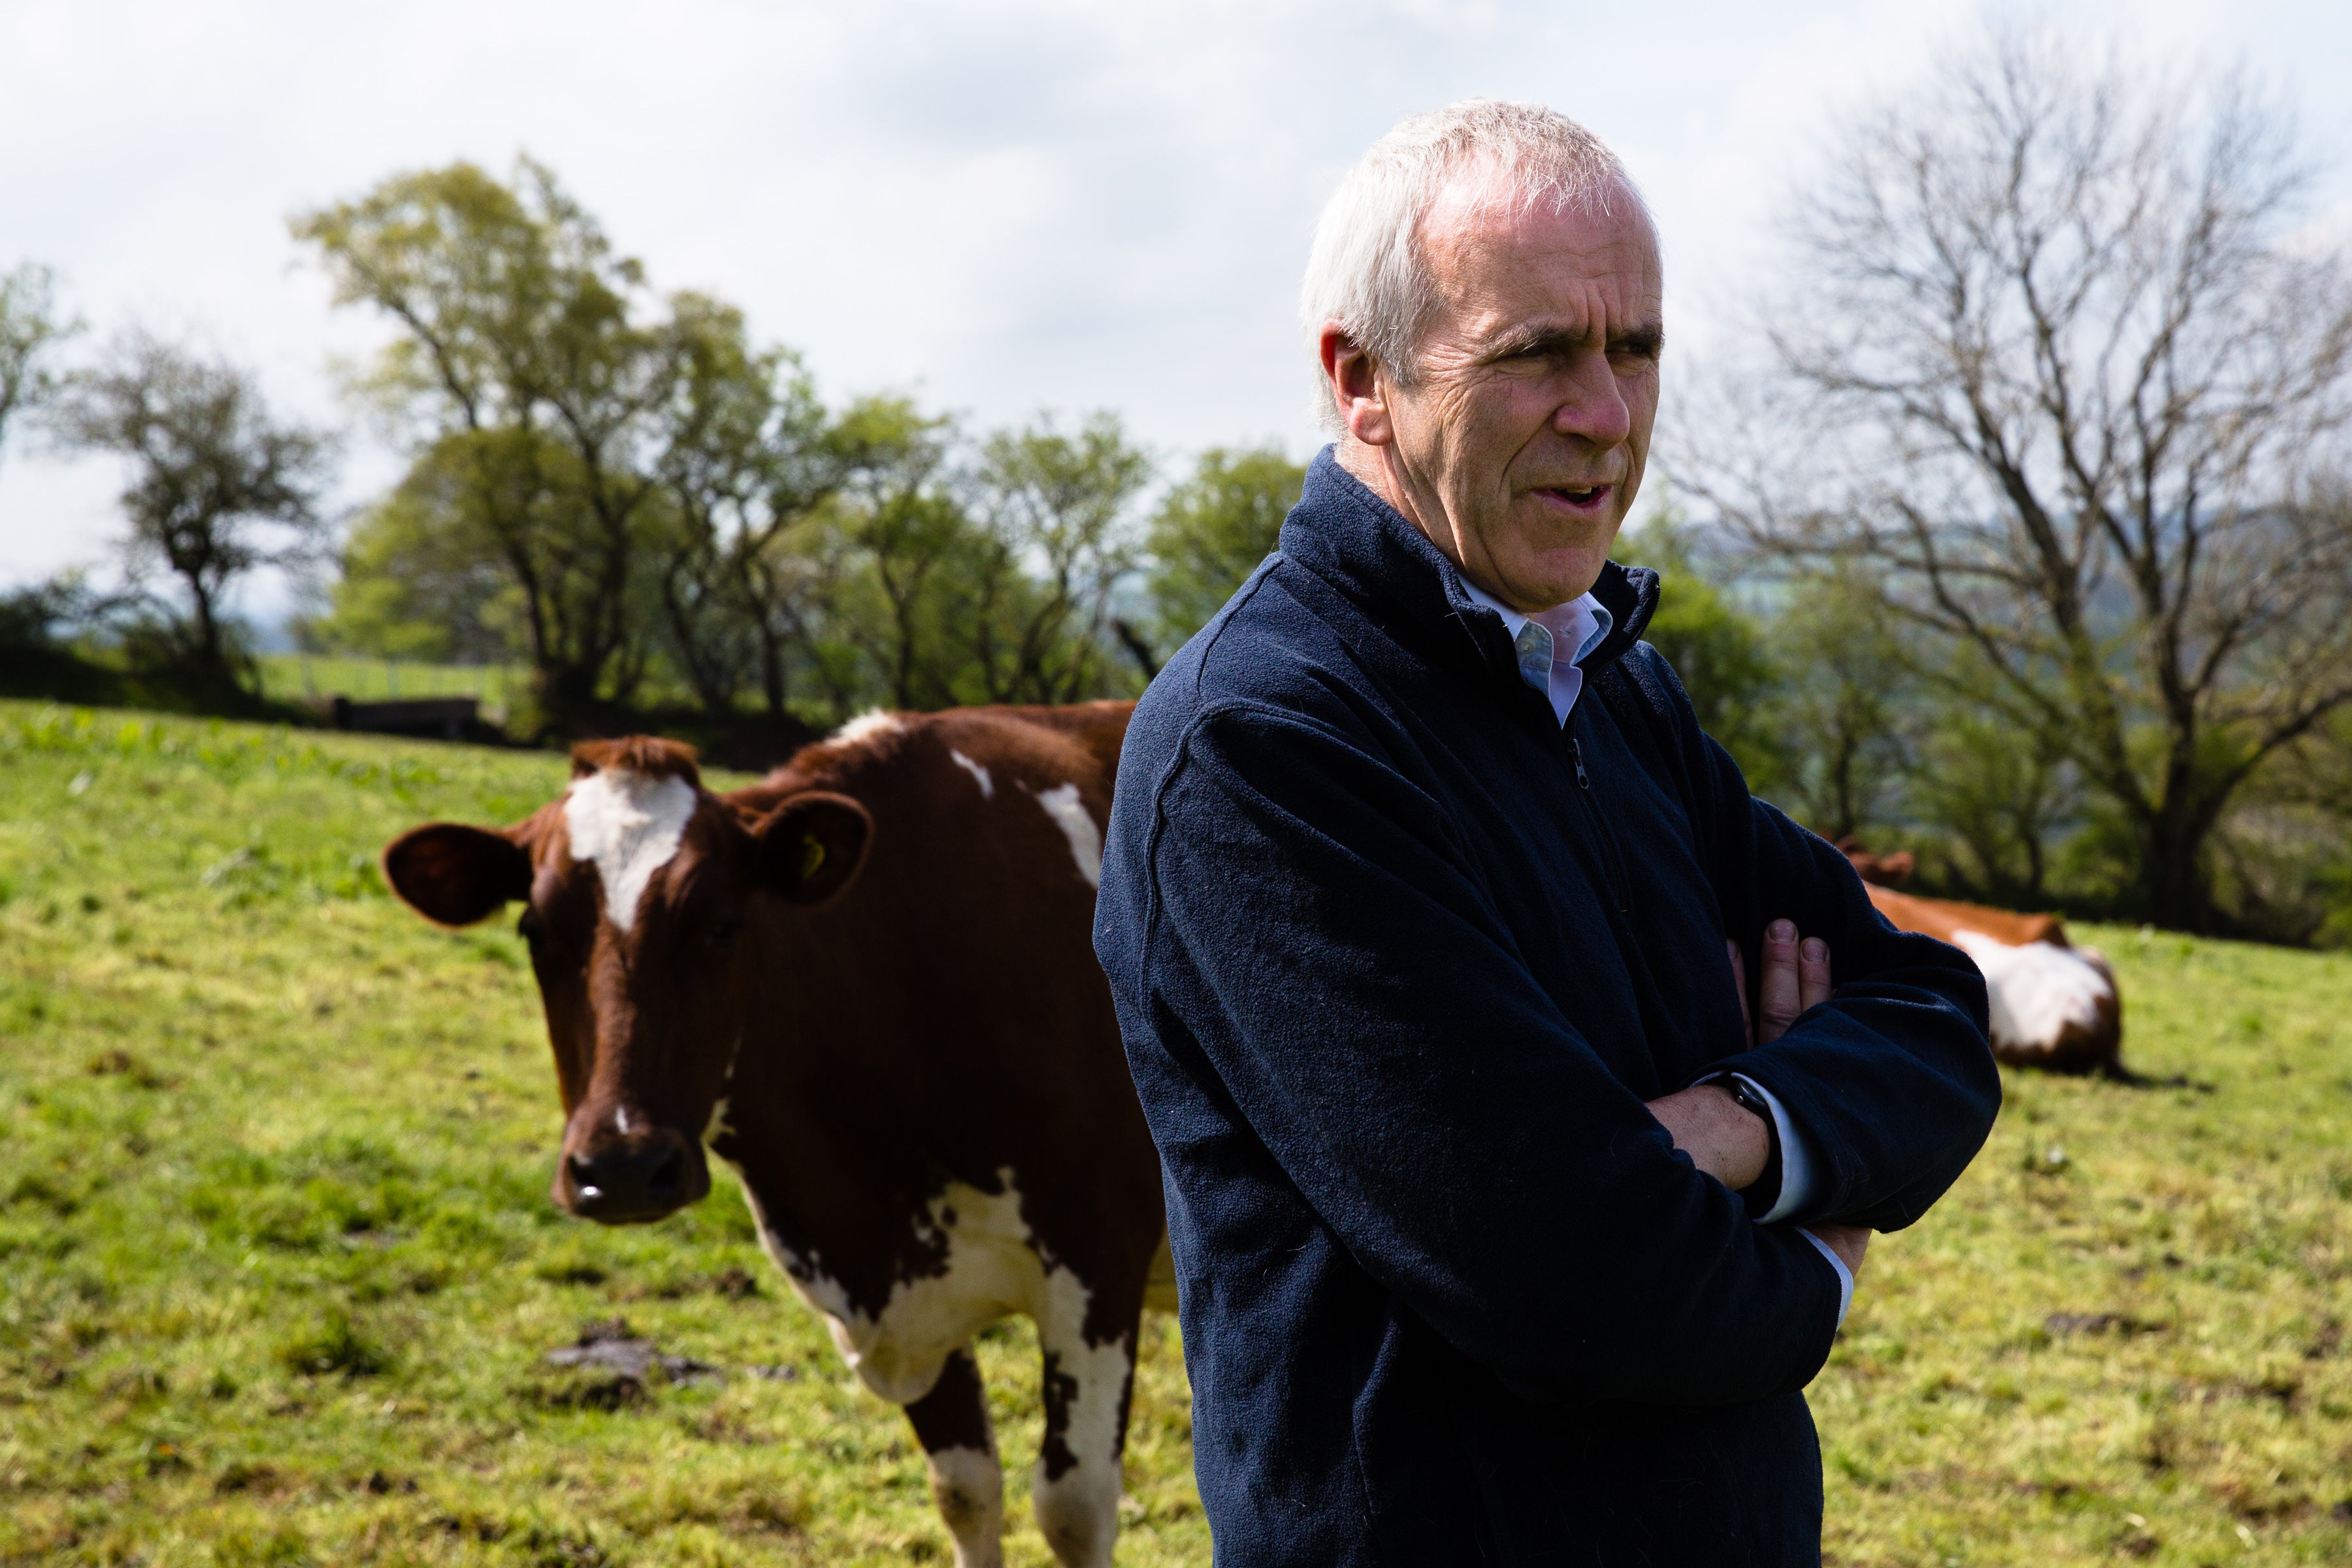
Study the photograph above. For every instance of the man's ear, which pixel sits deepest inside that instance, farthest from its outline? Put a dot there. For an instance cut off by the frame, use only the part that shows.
(454, 875)
(812, 846)
(1354, 382)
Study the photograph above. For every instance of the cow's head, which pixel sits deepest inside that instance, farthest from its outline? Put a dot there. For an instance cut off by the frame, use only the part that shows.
(645, 895)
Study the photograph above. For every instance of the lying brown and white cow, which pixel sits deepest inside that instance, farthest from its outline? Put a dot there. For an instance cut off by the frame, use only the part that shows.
(866, 983)
(2055, 1005)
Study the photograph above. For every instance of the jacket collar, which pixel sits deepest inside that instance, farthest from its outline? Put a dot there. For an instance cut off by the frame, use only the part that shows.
(1360, 544)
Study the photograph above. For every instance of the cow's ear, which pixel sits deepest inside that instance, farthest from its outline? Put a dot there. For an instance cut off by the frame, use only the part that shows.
(454, 875)
(811, 848)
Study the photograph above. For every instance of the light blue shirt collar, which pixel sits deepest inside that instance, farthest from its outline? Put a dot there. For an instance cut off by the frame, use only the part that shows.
(1582, 623)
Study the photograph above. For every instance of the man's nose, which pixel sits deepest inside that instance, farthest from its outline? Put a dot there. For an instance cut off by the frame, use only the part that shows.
(1596, 410)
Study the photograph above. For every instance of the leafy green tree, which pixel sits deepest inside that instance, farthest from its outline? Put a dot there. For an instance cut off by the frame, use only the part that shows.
(1209, 534)
(543, 378)
(1999, 795)
(912, 541)
(2311, 787)
(30, 328)
(859, 581)
(422, 577)
(1716, 648)
(1054, 510)
(218, 485)
(1842, 718)
(749, 454)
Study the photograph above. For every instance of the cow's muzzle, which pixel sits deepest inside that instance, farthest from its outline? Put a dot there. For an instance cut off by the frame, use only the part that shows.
(631, 1180)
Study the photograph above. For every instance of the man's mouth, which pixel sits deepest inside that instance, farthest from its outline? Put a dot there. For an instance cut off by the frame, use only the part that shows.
(1576, 497)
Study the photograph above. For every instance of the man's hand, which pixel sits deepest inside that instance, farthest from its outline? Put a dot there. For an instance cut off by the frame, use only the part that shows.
(1848, 1241)
(1796, 977)
(1721, 1139)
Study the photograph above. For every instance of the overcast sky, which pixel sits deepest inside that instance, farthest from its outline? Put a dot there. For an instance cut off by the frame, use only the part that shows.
(1003, 207)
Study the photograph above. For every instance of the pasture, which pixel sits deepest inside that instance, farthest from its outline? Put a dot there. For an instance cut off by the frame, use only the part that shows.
(279, 1274)
(295, 677)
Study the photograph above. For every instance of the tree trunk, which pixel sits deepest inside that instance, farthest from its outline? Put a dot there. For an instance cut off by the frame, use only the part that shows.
(2177, 892)
(209, 676)
(567, 696)
(772, 673)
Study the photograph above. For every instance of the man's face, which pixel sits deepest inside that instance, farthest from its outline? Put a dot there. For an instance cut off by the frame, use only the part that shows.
(1520, 446)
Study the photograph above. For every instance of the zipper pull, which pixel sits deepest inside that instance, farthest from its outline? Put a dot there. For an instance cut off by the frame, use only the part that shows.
(1583, 780)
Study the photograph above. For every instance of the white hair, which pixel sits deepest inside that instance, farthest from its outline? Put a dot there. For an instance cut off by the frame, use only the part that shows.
(1367, 273)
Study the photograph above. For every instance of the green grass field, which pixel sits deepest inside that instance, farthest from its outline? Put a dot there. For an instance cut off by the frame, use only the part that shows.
(279, 1272)
(300, 677)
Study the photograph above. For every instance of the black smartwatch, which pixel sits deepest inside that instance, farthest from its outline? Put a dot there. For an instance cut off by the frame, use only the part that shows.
(1765, 1191)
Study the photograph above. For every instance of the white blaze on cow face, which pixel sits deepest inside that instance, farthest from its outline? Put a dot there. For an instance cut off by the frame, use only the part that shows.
(627, 824)
(2036, 989)
(1069, 813)
(987, 785)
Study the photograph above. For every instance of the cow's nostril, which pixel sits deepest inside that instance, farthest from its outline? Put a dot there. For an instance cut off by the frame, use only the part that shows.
(624, 1185)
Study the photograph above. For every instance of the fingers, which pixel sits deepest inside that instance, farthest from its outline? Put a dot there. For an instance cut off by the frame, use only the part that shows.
(1813, 973)
(1739, 984)
(1777, 990)
(1796, 977)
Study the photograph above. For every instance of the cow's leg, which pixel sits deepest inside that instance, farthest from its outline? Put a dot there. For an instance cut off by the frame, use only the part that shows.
(1086, 1388)
(952, 1423)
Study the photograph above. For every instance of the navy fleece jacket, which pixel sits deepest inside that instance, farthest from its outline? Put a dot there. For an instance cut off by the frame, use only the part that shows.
(1397, 960)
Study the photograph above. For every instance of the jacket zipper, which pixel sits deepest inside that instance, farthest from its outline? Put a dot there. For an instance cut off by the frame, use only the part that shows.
(1614, 863)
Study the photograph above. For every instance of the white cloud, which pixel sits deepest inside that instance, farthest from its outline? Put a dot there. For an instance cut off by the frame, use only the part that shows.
(1022, 206)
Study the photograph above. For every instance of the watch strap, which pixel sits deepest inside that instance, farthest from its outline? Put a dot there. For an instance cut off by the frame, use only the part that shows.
(1764, 1191)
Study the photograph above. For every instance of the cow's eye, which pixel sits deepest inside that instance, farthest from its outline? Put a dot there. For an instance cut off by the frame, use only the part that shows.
(723, 930)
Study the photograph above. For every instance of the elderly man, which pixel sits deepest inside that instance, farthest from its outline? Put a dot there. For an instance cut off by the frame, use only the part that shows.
(1501, 1236)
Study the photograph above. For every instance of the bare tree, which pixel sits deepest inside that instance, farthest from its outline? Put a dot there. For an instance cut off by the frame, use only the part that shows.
(218, 486)
(2055, 371)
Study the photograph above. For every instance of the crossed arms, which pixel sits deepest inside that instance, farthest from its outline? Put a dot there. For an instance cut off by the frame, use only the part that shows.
(1725, 1138)
(1317, 957)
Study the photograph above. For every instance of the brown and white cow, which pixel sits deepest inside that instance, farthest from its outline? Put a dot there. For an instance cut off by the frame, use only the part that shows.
(865, 982)
(2055, 1005)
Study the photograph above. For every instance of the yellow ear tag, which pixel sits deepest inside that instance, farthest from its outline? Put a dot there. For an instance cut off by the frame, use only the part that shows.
(812, 856)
